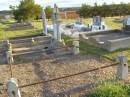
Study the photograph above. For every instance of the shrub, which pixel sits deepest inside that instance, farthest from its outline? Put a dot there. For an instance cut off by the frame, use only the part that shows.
(110, 90)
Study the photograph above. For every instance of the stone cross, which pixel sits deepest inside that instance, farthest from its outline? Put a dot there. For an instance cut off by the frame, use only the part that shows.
(44, 22)
(122, 70)
(12, 88)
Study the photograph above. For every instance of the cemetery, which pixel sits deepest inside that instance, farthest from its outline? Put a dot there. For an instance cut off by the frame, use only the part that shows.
(56, 61)
(78, 26)
(110, 39)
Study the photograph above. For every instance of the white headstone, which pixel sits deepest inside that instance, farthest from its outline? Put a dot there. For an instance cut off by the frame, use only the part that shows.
(97, 20)
(56, 34)
(128, 21)
(44, 22)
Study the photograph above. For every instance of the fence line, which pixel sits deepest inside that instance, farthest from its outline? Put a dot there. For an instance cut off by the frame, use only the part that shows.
(39, 51)
(67, 76)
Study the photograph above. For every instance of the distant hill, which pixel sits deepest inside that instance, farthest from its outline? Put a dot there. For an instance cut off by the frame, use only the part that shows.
(5, 12)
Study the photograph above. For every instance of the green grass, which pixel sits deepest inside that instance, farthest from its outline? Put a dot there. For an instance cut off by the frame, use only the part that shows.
(17, 33)
(111, 24)
(110, 90)
(86, 48)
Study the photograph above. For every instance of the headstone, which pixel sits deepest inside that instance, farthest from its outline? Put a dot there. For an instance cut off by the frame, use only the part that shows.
(97, 20)
(44, 22)
(56, 34)
(122, 70)
(12, 88)
(126, 24)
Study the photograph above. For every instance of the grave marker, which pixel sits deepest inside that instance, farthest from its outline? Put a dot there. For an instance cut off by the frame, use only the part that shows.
(44, 22)
(56, 24)
(126, 24)
(97, 20)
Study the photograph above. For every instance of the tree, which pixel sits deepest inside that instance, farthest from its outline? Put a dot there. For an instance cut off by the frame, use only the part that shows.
(105, 10)
(48, 11)
(85, 11)
(26, 11)
(38, 12)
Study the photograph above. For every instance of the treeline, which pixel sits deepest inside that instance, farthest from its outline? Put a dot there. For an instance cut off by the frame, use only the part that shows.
(104, 10)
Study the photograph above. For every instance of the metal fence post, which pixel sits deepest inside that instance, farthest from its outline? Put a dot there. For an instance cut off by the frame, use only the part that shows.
(12, 88)
(122, 69)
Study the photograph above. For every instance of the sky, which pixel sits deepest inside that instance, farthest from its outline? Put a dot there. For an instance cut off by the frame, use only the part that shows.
(4, 4)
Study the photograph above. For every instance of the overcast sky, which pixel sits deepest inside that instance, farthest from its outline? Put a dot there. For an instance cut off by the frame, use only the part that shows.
(4, 4)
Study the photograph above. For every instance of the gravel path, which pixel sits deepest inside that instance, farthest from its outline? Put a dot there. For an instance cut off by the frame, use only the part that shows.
(57, 66)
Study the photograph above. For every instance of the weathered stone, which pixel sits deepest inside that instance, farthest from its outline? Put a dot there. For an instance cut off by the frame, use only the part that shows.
(76, 47)
(12, 88)
(122, 70)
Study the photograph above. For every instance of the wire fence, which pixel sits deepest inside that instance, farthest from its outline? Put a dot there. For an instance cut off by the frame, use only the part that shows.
(62, 77)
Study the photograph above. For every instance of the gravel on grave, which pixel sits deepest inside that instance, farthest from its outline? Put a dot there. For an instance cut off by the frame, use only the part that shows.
(57, 66)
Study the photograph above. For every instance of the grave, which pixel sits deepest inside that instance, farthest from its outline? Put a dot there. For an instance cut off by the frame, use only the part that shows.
(20, 26)
(78, 27)
(110, 39)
